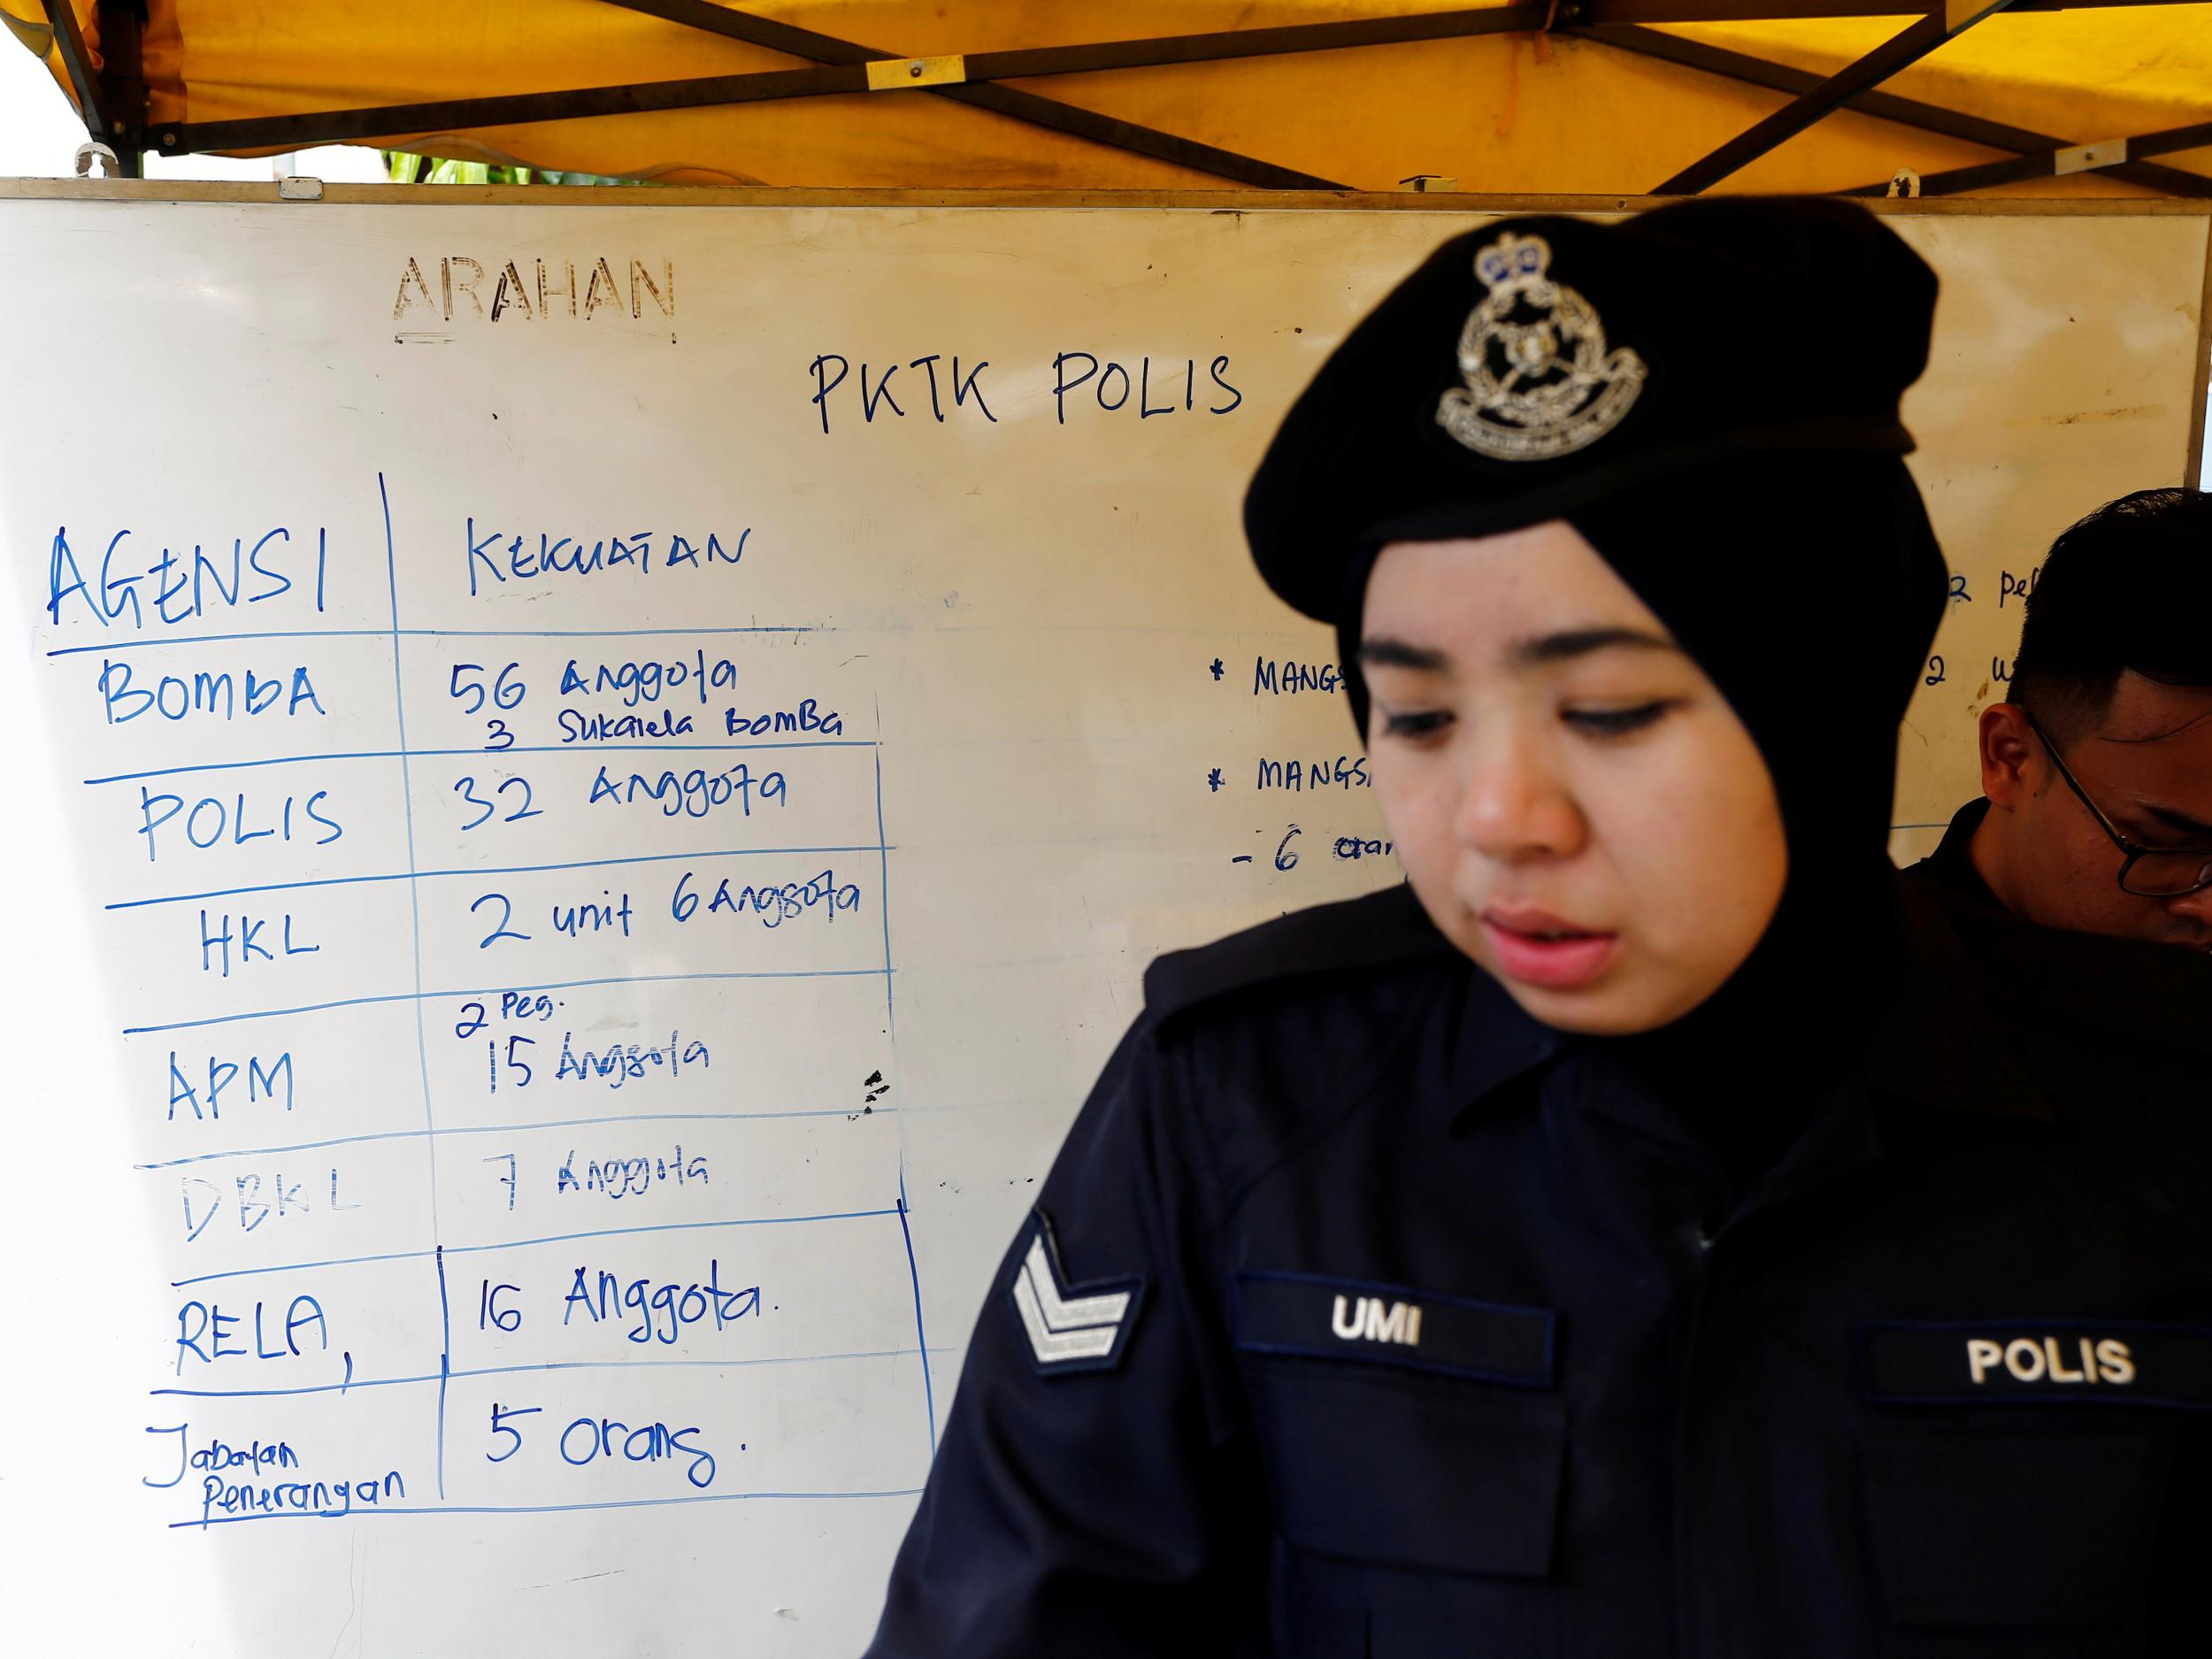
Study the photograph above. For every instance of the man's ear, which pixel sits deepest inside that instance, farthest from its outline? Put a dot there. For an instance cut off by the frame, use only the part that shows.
(2009, 748)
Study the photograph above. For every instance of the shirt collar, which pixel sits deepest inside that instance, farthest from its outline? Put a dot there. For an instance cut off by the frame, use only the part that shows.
(1952, 863)
(2128, 989)
(2158, 994)
(1935, 1038)
(1493, 1043)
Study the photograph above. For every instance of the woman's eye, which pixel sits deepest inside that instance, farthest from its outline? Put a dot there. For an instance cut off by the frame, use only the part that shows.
(1420, 724)
(1615, 722)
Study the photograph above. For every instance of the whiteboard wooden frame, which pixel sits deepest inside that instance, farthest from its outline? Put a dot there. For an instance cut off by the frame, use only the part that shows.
(1219, 201)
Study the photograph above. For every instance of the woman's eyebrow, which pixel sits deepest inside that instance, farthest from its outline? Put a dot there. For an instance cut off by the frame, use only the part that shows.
(1381, 650)
(1558, 648)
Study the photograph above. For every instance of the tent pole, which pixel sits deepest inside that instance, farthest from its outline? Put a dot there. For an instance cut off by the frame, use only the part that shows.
(76, 62)
(1019, 62)
(2110, 156)
(1612, 12)
(1900, 50)
(1021, 105)
(112, 100)
(398, 121)
(441, 115)
(972, 80)
(1931, 118)
(2201, 397)
(122, 78)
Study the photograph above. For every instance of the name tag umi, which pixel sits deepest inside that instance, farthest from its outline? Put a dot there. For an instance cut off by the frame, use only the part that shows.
(1363, 1323)
(1365, 1319)
(2028, 1360)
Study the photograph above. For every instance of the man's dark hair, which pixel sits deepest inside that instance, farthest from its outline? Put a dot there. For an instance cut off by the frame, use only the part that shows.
(2120, 590)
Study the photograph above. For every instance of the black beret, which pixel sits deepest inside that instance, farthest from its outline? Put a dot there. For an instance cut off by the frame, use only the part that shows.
(1538, 365)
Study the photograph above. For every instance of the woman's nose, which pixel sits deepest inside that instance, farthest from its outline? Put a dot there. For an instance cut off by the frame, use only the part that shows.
(1512, 807)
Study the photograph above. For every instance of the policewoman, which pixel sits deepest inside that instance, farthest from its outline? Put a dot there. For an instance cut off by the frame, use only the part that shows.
(1638, 1234)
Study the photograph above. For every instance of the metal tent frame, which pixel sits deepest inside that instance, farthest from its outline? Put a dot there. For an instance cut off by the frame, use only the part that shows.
(113, 97)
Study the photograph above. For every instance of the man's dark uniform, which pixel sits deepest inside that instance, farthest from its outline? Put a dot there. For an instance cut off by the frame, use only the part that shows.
(1950, 867)
(1363, 1315)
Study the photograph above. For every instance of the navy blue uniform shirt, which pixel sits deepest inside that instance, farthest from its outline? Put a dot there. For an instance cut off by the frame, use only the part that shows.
(1952, 863)
(1362, 1314)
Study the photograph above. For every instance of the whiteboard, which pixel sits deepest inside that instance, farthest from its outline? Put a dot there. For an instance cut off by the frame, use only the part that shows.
(605, 790)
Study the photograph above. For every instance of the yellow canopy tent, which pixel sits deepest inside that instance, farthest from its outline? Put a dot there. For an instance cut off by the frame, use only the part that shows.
(1565, 96)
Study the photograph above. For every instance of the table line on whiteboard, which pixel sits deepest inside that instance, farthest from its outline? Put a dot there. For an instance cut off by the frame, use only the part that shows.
(517, 1244)
(205, 1521)
(488, 754)
(314, 1388)
(883, 902)
(502, 869)
(891, 1035)
(460, 1374)
(921, 1338)
(414, 915)
(424, 633)
(507, 1129)
(563, 985)
(445, 1358)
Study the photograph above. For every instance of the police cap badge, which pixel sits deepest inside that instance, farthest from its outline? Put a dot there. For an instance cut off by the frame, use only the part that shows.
(1539, 381)
(1535, 365)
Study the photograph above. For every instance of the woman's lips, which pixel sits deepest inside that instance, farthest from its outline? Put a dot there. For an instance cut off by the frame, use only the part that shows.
(1536, 947)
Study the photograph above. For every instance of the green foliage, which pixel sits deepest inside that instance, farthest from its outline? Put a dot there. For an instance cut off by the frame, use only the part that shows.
(412, 169)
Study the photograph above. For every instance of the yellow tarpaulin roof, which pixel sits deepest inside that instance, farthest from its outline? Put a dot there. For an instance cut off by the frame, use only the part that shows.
(1499, 113)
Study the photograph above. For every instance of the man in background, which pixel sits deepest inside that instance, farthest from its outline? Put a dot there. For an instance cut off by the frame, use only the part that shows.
(2096, 813)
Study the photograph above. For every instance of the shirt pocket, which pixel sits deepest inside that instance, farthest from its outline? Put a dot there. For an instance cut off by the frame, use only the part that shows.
(1435, 1440)
(2019, 1476)
(1984, 1528)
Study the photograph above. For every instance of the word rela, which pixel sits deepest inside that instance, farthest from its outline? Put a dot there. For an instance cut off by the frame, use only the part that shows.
(207, 1334)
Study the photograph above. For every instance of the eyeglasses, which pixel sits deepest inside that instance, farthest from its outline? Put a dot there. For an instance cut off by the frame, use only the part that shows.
(2149, 872)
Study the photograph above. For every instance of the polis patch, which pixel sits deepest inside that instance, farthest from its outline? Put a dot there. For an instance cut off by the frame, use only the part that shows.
(2116, 1361)
(1395, 1324)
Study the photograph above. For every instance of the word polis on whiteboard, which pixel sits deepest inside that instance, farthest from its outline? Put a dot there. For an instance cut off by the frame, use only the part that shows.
(1081, 382)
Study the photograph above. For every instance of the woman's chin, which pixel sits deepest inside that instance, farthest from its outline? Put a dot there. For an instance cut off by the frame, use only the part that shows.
(1620, 1002)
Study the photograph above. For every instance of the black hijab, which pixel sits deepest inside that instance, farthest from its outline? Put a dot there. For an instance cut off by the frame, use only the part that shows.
(1809, 588)
(1709, 393)
(1809, 592)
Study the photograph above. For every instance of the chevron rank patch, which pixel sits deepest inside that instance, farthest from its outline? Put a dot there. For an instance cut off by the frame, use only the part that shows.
(1069, 1327)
